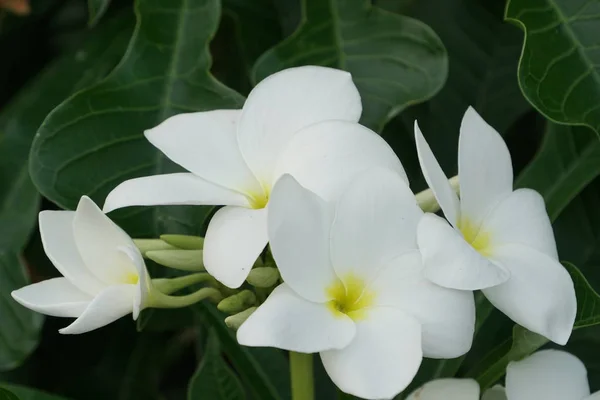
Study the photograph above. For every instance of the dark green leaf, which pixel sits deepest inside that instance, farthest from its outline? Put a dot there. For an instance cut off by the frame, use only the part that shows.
(25, 393)
(214, 380)
(588, 300)
(559, 70)
(5, 394)
(94, 141)
(395, 60)
(96, 9)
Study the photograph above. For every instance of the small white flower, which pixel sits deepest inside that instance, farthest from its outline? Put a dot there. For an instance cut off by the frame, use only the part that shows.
(500, 241)
(447, 389)
(104, 276)
(300, 120)
(354, 288)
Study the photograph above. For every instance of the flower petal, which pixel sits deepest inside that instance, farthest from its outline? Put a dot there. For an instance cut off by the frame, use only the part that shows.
(98, 240)
(436, 179)
(143, 284)
(521, 218)
(382, 359)
(299, 223)
(484, 167)
(171, 189)
(205, 143)
(111, 304)
(447, 316)
(548, 375)
(234, 239)
(56, 230)
(539, 295)
(327, 156)
(447, 389)
(376, 220)
(495, 393)
(57, 297)
(288, 101)
(287, 321)
(450, 261)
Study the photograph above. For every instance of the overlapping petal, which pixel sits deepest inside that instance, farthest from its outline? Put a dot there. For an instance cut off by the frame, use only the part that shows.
(447, 389)
(57, 297)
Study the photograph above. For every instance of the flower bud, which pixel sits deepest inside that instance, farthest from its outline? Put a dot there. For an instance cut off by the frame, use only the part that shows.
(427, 201)
(263, 277)
(235, 321)
(185, 242)
(145, 245)
(238, 302)
(185, 260)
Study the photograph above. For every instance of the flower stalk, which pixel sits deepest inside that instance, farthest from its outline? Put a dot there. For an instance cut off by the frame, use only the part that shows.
(301, 371)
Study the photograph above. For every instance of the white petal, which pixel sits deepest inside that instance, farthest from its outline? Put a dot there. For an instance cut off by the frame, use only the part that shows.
(327, 156)
(98, 240)
(143, 284)
(382, 359)
(287, 321)
(299, 225)
(539, 294)
(484, 167)
(111, 304)
(450, 261)
(205, 143)
(495, 393)
(447, 316)
(595, 396)
(522, 218)
(234, 239)
(376, 220)
(171, 189)
(547, 375)
(447, 389)
(436, 179)
(56, 230)
(288, 101)
(57, 297)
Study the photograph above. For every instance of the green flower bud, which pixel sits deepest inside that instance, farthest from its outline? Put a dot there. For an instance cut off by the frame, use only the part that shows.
(427, 201)
(238, 302)
(235, 321)
(185, 260)
(263, 277)
(145, 245)
(184, 242)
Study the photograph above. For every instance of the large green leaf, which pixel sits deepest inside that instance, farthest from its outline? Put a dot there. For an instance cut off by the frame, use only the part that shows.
(214, 380)
(96, 9)
(25, 393)
(559, 71)
(395, 60)
(94, 141)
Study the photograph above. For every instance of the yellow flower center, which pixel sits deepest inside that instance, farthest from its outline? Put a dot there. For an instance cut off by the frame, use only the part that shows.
(350, 297)
(131, 278)
(475, 236)
(259, 199)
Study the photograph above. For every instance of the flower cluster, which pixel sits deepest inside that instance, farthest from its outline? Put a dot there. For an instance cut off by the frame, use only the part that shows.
(366, 278)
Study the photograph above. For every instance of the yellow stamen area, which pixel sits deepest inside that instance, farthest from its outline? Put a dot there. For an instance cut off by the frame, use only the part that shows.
(259, 199)
(350, 297)
(477, 238)
(131, 278)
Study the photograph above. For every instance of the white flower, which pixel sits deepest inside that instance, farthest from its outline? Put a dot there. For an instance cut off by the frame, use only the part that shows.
(301, 120)
(500, 241)
(447, 389)
(354, 288)
(104, 274)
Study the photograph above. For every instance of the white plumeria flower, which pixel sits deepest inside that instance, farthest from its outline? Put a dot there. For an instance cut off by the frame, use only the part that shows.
(300, 120)
(500, 240)
(104, 276)
(547, 375)
(354, 288)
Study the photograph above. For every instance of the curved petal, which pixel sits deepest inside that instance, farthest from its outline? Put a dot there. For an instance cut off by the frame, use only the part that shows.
(447, 316)
(484, 167)
(171, 189)
(56, 230)
(382, 359)
(327, 156)
(447, 389)
(375, 221)
(111, 304)
(205, 143)
(548, 375)
(450, 261)
(288, 101)
(495, 393)
(436, 179)
(521, 218)
(594, 396)
(539, 295)
(143, 284)
(57, 297)
(299, 223)
(98, 240)
(234, 239)
(287, 321)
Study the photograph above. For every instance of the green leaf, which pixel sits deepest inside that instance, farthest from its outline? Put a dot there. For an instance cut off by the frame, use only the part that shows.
(5, 394)
(94, 141)
(588, 300)
(559, 70)
(25, 393)
(395, 60)
(214, 380)
(96, 9)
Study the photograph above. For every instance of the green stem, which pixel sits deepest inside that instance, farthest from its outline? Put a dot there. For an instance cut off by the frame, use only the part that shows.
(158, 299)
(301, 371)
(168, 286)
